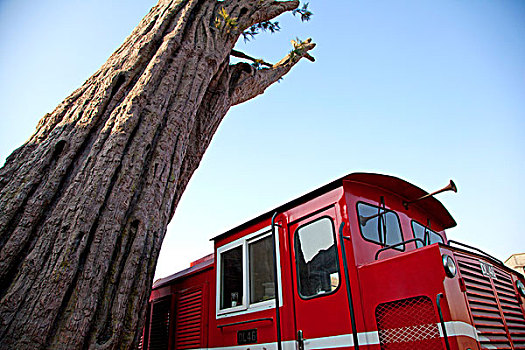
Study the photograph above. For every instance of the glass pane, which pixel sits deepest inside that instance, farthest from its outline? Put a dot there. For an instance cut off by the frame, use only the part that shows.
(261, 270)
(316, 258)
(379, 225)
(369, 221)
(393, 230)
(419, 232)
(231, 278)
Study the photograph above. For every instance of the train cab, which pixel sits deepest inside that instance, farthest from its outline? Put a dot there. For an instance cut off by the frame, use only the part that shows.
(362, 262)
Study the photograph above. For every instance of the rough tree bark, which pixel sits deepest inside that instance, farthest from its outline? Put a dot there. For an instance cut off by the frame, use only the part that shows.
(85, 202)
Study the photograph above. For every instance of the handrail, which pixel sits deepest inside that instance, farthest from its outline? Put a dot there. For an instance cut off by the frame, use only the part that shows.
(398, 244)
(243, 322)
(445, 336)
(348, 289)
(276, 284)
(476, 249)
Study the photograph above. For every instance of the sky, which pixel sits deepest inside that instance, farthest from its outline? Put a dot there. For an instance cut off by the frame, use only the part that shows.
(423, 90)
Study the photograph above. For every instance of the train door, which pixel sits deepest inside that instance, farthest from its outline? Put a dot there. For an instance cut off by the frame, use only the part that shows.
(322, 317)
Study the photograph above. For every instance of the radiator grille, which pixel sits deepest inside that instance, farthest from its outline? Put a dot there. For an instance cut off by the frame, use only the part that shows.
(189, 320)
(408, 324)
(160, 325)
(493, 302)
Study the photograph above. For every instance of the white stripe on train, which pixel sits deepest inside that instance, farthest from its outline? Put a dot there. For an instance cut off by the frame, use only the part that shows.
(453, 328)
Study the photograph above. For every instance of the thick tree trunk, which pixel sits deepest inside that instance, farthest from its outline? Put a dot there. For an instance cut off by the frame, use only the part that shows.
(84, 204)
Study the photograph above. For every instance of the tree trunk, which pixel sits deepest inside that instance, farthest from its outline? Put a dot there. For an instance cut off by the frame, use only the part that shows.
(85, 203)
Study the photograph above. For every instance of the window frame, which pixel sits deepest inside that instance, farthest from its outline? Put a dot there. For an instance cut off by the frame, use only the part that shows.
(401, 248)
(248, 280)
(303, 297)
(246, 306)
(431, 231)
(220, 251)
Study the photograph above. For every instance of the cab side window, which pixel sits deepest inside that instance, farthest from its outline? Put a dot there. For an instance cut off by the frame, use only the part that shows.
(231, 281)
(261, 276)
(316, 258)
(245, 273)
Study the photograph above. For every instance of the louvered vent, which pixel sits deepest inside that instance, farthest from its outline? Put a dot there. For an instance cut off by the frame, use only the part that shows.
(189, 320)
(408, 324)
(513, 315)
(160, 325)
(497, 315)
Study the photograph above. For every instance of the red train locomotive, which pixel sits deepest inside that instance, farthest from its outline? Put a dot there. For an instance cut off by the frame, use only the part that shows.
(361, 263)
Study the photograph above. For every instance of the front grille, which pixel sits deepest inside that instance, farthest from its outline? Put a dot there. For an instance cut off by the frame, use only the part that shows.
(408, 324)
(493, 303)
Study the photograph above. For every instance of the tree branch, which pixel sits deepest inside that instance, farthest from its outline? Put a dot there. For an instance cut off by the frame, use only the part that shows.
(239, 54)
(266, 10)
(246, 82)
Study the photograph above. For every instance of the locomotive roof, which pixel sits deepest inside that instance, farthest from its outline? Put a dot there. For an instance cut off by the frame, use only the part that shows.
(184, 273)
(389, 183)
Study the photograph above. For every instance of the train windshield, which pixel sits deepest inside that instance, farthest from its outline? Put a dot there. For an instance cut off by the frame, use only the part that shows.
(425, 234)
(379, 225)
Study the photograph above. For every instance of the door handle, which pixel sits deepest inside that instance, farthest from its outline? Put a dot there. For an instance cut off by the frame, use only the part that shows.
(300, 339)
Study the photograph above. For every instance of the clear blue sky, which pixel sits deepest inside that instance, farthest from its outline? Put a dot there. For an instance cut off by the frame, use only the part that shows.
(423, 90)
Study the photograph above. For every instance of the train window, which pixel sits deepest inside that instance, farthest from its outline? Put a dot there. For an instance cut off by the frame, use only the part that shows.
(231, 278)
(430, 237)
(316, 258)
(245, 277)
(379, 225)
(261, 270)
